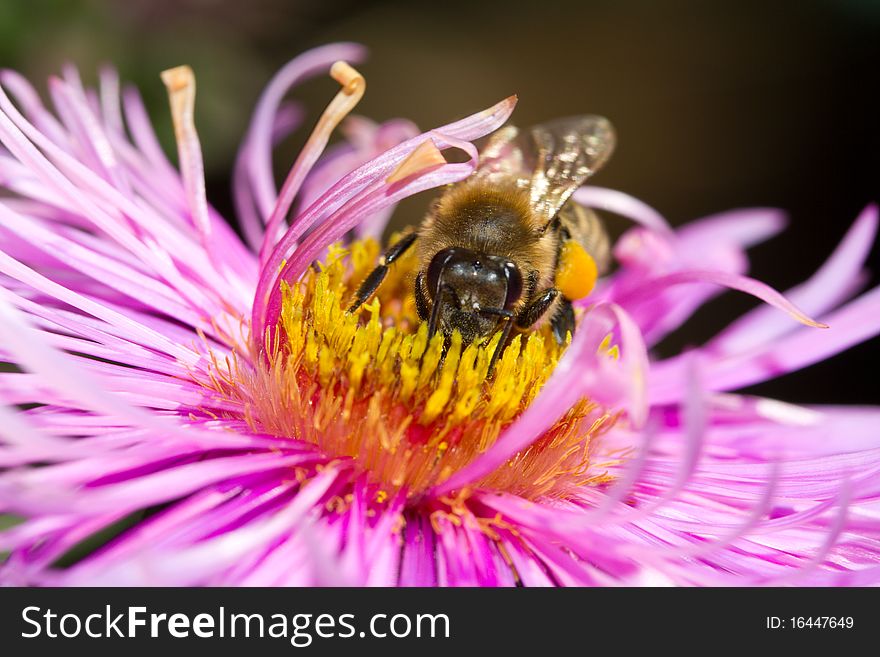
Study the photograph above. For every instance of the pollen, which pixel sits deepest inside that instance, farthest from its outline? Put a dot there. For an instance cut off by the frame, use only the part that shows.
(408, 410)
(577, 272)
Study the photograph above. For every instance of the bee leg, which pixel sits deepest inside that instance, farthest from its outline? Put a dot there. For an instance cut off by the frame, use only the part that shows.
(421, 300)
(535, 309)
(375, 277)
(505, 335)
(563, 321)
(507, 316)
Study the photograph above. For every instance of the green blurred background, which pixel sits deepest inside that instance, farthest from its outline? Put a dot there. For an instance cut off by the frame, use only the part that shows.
(717, 104)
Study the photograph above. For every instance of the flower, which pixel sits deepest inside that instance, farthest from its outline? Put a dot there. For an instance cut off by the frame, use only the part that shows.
(183, 407)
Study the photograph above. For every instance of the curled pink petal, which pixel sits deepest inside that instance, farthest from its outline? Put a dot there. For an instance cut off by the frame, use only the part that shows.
(742, 283)
(830, 285)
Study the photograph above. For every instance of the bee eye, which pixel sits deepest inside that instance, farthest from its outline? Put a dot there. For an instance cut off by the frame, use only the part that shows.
(438, 264)
(514, 284)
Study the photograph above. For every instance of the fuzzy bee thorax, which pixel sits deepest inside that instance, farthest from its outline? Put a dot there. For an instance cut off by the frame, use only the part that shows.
(491, 219)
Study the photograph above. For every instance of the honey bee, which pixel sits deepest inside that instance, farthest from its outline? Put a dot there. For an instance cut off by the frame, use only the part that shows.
(508, 246)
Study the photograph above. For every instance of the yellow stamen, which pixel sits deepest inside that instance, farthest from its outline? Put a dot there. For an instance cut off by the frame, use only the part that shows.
(371, 386)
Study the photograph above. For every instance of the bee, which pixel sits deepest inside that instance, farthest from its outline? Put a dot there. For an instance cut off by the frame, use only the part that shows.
(508, 246)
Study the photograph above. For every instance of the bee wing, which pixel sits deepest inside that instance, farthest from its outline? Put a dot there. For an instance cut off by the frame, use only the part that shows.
(565, 153)
(551, 159)
(506, 158)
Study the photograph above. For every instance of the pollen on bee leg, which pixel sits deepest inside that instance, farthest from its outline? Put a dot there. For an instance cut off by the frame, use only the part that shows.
(425, 156)
(577, 271)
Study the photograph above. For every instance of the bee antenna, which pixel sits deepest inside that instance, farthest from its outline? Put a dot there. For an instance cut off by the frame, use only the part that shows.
(435, 308)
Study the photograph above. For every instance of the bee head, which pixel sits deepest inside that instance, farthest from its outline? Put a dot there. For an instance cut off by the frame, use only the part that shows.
(471, 291)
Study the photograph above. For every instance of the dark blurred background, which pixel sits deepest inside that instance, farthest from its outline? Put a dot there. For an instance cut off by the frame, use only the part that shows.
(716, 104)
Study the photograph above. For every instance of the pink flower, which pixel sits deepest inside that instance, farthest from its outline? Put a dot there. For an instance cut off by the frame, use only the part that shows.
(185, 408)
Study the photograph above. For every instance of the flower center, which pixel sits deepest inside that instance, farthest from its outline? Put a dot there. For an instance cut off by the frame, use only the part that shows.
(371, 386)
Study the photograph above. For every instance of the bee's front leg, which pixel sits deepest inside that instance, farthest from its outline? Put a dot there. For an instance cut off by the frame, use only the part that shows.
(534, 310)
(375, 277)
